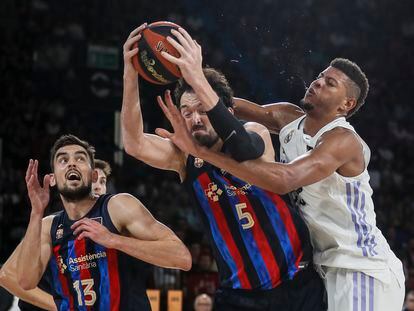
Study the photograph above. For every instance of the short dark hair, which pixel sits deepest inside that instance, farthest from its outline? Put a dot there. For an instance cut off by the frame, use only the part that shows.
(104, 166)
(217, 81)
(69, 139)
(354, 73)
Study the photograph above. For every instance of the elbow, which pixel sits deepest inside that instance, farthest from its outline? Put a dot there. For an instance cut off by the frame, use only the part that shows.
(25, 283)
(186, 261)
(132, 148)
(3, 278)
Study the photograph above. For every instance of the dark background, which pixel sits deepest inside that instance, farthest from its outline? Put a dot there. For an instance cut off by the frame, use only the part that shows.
(61, 72)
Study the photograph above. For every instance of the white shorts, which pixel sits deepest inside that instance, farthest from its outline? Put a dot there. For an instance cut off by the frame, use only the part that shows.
(350, 290)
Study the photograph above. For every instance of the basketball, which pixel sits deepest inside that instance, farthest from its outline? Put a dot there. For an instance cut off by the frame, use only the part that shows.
(148, 62)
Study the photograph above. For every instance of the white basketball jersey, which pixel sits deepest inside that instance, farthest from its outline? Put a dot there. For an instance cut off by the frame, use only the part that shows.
(339, 210)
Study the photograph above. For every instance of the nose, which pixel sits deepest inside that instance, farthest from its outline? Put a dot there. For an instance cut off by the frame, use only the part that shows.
(317, 83)
(196, 118)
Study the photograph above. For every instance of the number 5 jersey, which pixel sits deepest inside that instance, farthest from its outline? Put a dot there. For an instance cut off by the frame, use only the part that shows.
(258, 240)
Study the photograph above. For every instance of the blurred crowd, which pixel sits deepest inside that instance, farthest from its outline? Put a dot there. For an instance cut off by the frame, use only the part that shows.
(61, 72)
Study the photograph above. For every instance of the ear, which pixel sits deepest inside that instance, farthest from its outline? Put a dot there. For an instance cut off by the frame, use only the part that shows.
(52, 180)
(231, 110)
(95, 175)
(348, 105)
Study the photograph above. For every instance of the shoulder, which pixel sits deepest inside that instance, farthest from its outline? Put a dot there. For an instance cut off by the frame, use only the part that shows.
(124, 206)
(340, 135)
(123, 201)
(48, 220)
(255, 127)
(341, 141)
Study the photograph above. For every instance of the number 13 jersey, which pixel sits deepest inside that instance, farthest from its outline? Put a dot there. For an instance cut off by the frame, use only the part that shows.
(89, 276)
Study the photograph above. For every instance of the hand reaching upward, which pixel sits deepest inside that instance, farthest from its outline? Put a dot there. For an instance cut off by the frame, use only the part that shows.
(39, 196)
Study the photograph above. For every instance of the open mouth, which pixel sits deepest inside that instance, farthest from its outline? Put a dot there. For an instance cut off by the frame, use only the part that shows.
(73, 175)
(198, 128)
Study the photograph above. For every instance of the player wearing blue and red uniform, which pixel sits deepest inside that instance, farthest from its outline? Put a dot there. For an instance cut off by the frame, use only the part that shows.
(40, 298)
(85, 273)
(260, 244)
(91, 246)
(258, 240)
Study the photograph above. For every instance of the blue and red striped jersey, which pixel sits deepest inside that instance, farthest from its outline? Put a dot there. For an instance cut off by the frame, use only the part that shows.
(258, 239)
(88, 276)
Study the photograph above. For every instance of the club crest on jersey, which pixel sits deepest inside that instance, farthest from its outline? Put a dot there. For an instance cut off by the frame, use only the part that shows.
(59, 232)
(213, 192)
(289, 136)
(198, 162)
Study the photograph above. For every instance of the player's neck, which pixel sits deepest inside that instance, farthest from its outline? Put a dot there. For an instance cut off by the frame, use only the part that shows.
(79, 209)
(217, 146)
(313, 124)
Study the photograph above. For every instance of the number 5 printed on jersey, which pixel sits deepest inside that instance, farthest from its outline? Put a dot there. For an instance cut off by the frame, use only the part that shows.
(244, 215)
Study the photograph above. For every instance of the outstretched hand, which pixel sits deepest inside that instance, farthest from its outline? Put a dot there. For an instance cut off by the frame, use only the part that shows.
(38, 195)
(190, 60)
(181, 137)
(130, 51)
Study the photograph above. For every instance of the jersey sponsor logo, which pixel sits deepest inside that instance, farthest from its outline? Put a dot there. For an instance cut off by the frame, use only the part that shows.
(85, 262)
(213, 192)
(289, 136)
(234, 191)
(61, 264)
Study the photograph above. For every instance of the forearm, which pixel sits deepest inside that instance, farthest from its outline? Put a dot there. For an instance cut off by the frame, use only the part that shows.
(29, 263)
(205, 94)
(8, 280)
(131, 116)
(165, 253)
(35, 296)
(242, 145)
(267, 175)
(249, 111)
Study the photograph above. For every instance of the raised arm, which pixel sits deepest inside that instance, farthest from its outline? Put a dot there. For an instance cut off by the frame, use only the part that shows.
(274, 116)
(8, 280)
(36, 245)
(151, 149)
(143, 237)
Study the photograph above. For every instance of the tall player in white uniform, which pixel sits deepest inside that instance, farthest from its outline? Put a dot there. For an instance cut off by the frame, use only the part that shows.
(326, 165)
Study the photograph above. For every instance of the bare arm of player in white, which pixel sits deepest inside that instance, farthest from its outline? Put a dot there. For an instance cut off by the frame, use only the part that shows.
(338, 150)
(149, 148)
(143, 237)
(8, 280)
(36, 245)
(335, 152)
(274, 116)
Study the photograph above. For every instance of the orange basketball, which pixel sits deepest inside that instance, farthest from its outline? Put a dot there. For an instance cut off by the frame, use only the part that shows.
(148, 62)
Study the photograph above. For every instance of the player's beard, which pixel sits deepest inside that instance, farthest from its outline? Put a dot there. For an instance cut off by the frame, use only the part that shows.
(206, 140)
(76, 194)
(306, 106)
